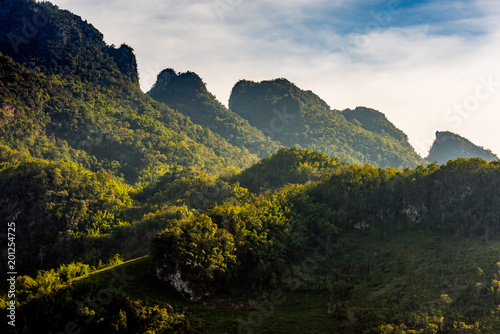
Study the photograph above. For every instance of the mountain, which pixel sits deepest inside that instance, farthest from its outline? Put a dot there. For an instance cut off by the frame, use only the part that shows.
(293, 116)
(59, 42)
(449, 146)
(67, 95)
(374, 121)
(121, 214)
(187, 93)
(77, 135)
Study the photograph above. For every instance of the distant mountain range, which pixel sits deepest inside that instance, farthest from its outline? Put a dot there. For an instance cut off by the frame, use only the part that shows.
(261, 118)
(449, 146)
(276, 199)
(293, 116)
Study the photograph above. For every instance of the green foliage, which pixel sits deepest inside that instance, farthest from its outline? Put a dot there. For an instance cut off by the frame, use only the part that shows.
(58, 41)
(450, 146)
(194, 255)
(48, 282)
(265, 237)
(457, 198)
(292, 116)
(288, 165)
(57, 310)
(90, 167)
(54, 204)
(195, 189)
(188, 94)
(412, 283)
(374, 121)
(110, 126)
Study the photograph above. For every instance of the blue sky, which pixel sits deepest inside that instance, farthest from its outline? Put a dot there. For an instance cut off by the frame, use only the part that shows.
(444, 17)
(428, 65)
(403, 13)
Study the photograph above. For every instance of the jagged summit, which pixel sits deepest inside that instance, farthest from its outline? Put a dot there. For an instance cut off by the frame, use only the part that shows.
(294, 116)
(163, 79)
(187, 93)
(375, 121)
(60, 42)
(280, 88)
(170, 85)
(449, 146)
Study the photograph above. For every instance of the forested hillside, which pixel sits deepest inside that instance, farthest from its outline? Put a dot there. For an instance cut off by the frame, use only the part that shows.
(287, 166)
(352, 234)
(137, 213)
(70, 129)
(295, 117)
(81, 96)
(449, 146)
(59, 42)
(374, 121)
(187, 93)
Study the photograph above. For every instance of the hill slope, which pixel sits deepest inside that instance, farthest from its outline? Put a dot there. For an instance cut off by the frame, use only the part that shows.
(295, 117)
(66, 94)
(401, 262)
(374, 121)
(58, 41)
(77, 132)
(288, 165)
(449, 146)
(299, 242)
(187, 93)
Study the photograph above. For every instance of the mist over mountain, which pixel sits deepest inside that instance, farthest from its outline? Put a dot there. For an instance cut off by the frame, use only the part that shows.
(450, 146)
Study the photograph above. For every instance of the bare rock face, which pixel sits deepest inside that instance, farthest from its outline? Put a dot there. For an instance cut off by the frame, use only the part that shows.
(181, 285)
(415, 213)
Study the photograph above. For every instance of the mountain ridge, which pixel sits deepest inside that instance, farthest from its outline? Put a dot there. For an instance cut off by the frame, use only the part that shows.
(450, 146)
(294, 116)
(93, 171)
(187, 93)
(85, 101)
(61, 42)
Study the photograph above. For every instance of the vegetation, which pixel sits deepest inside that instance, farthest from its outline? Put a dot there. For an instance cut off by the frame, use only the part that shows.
(55, 205)
(131, 218)
(187, 93)
(374, 121)
(292, 116)
(450, 146)
(287, 166)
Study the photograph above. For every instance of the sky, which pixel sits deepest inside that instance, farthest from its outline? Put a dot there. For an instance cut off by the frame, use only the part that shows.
(427, 65)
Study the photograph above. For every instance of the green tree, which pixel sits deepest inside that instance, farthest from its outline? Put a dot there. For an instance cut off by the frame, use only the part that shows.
(194, 255)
